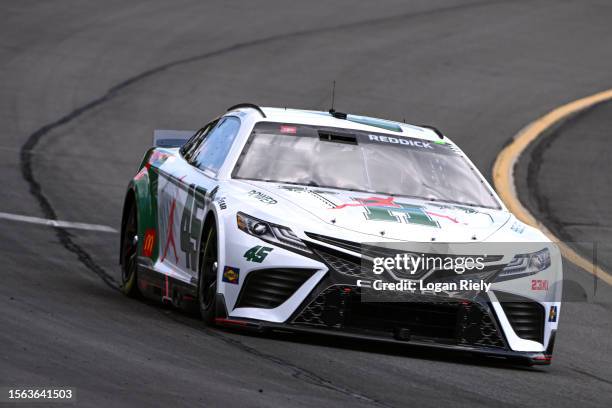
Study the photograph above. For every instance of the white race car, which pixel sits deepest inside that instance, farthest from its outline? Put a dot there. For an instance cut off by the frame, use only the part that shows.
(260, 220)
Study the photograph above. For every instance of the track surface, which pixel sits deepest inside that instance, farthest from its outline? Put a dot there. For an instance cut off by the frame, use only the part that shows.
(556, 192)
(479, 70)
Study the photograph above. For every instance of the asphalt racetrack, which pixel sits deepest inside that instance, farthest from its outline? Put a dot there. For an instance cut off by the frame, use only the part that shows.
(83, 85)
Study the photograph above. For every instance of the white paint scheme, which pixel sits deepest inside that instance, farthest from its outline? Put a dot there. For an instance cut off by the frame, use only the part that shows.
(302, 213)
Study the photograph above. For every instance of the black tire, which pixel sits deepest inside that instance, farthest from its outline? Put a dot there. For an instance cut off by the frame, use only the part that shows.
(207, 286)
(129, 254)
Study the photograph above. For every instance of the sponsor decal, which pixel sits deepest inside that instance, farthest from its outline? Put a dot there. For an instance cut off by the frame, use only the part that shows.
(298, 189)
(552, 315)
(266, 199)
(170, 237)
(539, 284)
(148, 243)
(518, 227)
(168, 224)
(394, 140)
(231, 275)
(387, 209)
(295, 189)
(431, 146)
(288, 129)
(257, 253)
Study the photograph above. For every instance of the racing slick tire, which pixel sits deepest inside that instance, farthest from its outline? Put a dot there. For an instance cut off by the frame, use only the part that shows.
(129, 254)
(207, 286)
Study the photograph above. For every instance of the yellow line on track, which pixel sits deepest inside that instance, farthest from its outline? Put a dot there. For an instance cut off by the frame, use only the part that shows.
(503, 174)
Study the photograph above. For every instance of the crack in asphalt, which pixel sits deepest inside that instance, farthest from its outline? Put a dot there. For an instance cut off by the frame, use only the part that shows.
(66, 238)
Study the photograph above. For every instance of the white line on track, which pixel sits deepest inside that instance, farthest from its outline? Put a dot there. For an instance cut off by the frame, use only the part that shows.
(56, 223)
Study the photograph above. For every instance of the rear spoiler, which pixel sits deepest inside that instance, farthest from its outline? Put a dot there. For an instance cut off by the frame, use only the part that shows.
(171, 138)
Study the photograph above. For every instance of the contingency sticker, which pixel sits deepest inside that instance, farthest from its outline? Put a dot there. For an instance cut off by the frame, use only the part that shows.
(264, 198)
(149, 241)
(231, 275)
(552, 315)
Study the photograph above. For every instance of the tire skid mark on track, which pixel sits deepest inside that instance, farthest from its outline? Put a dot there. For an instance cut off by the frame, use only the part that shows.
(593, 376)
(299, 373)
(307, 375)
(539, 148)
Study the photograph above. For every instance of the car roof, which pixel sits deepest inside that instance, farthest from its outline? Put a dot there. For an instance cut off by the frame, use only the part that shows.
(357, 122)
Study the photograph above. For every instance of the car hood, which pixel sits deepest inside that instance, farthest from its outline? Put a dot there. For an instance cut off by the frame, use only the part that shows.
(398, 218)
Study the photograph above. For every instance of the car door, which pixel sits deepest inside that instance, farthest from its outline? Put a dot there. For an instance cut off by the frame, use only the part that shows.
(184, 191)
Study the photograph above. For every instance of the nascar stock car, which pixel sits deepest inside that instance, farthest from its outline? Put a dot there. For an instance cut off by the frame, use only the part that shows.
(259, 220)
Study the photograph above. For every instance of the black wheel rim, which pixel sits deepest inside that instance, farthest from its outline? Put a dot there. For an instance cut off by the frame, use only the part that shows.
(130, 247)
(208, 271)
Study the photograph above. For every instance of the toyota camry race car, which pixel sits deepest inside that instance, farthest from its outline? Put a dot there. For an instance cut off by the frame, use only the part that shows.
(270, 218)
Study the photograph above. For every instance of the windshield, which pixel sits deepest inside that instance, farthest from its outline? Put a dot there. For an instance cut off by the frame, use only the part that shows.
(361, 161)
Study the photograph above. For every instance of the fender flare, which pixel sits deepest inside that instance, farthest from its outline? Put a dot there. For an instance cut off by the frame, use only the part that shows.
(139, 193)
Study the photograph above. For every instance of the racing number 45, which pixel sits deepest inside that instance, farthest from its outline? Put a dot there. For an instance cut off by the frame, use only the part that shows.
(191, 226)
(257, 253)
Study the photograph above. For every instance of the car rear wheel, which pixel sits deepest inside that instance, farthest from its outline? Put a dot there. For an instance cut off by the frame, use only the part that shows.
(207, 291)
(129, 254)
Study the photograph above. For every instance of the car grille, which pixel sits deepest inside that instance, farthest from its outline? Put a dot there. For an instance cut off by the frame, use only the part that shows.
(343, 263)
(449, 322)
(269, 288)
(525, 316)
(477, 328)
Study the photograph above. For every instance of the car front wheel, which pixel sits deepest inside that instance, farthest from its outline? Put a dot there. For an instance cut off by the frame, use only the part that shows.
(207, 291)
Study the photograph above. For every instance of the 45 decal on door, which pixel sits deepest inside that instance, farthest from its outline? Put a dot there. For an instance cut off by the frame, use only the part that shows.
(191, 224)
